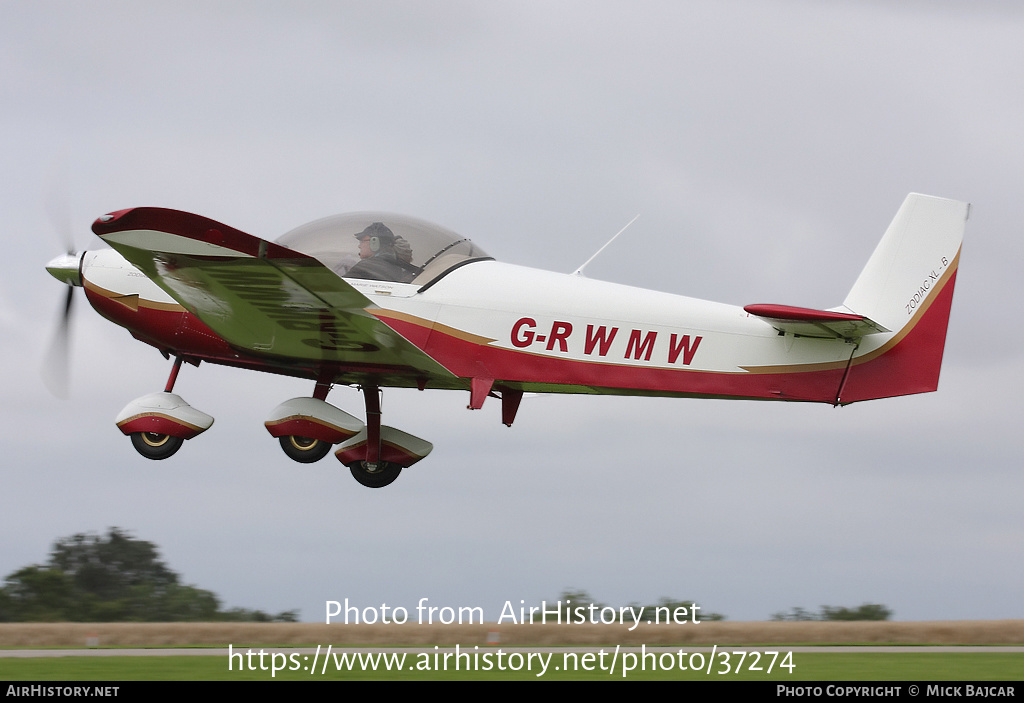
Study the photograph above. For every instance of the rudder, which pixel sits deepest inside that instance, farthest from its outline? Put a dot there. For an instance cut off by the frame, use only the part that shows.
(907, 287)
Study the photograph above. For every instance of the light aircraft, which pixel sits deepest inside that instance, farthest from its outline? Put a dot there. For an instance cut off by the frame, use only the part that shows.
(376, 300)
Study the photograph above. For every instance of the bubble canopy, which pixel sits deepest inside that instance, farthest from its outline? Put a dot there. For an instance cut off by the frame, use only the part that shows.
(419, 252)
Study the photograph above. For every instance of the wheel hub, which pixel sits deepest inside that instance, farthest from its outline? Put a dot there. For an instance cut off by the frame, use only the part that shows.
(155, 440)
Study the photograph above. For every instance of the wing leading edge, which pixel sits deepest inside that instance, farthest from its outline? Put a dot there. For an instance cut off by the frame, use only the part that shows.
(260, 297)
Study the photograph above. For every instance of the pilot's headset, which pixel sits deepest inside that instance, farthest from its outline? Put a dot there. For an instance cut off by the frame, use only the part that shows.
(374, 231)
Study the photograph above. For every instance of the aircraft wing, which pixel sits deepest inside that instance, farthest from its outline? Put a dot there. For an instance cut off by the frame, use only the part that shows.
(260, 297)
(807, 322)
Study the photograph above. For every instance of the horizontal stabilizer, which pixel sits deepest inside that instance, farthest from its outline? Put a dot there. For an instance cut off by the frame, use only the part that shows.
(806, 322)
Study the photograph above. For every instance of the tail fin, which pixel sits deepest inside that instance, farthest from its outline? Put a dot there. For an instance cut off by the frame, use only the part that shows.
(907, 287)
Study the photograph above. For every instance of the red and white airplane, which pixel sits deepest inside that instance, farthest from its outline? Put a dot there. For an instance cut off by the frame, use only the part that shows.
(378, 300)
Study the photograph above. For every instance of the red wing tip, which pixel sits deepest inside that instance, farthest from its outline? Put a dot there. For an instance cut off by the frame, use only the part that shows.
(187, 225)
(789, 312)
(103, 222)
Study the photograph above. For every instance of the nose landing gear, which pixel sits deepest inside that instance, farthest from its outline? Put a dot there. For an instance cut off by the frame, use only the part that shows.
(155, 446)
(159, 423)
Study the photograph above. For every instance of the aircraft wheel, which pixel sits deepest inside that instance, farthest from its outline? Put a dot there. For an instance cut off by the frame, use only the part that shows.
(303, 449)
(383, 475)
(155, 446)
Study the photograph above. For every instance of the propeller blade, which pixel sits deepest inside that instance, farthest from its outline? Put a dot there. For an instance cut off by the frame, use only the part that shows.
(57, 362)
(56, 369)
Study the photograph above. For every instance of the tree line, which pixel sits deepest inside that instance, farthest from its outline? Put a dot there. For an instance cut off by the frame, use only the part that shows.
(866, 611)
(118, 578)
(112, 578)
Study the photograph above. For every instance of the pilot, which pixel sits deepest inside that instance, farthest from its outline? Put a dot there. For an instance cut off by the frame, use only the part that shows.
(381, 255)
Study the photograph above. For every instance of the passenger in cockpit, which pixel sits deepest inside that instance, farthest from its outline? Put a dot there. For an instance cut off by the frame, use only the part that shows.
(383, 256)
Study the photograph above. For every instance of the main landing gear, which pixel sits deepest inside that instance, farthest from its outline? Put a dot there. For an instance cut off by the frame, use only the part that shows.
(306, 428)
(383, 474)
(304, 450)
(375, 454)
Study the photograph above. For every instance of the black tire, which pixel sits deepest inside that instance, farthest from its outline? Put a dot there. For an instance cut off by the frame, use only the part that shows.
(303, 449)
(155, 446)
(385, 474)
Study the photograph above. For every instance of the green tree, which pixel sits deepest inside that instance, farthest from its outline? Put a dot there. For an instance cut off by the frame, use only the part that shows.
(866, 611)
(111, 578)
(795, 615)
(109, 567)
(37, 594)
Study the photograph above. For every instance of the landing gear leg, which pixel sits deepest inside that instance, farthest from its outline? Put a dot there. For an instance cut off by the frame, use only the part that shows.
(153, 445)
(371, 394)
(174, 374)
(371, 471)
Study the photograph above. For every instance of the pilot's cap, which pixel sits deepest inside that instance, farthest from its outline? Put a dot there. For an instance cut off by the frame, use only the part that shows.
(378, 230)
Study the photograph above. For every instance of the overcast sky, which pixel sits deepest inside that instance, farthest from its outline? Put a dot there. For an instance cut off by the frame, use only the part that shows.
(766, 147)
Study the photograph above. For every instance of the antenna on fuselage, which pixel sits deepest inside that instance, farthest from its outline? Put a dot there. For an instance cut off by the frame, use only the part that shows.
(579, 271)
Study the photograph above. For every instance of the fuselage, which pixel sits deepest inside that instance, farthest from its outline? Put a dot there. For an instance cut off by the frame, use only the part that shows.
(522, 328)
(378, 300)
(451, 317)
(552, 332)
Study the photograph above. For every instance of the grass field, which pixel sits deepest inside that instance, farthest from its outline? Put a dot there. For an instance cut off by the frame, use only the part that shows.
(866, 666)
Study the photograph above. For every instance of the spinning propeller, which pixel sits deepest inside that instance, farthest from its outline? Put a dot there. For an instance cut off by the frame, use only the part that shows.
(66, 268)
